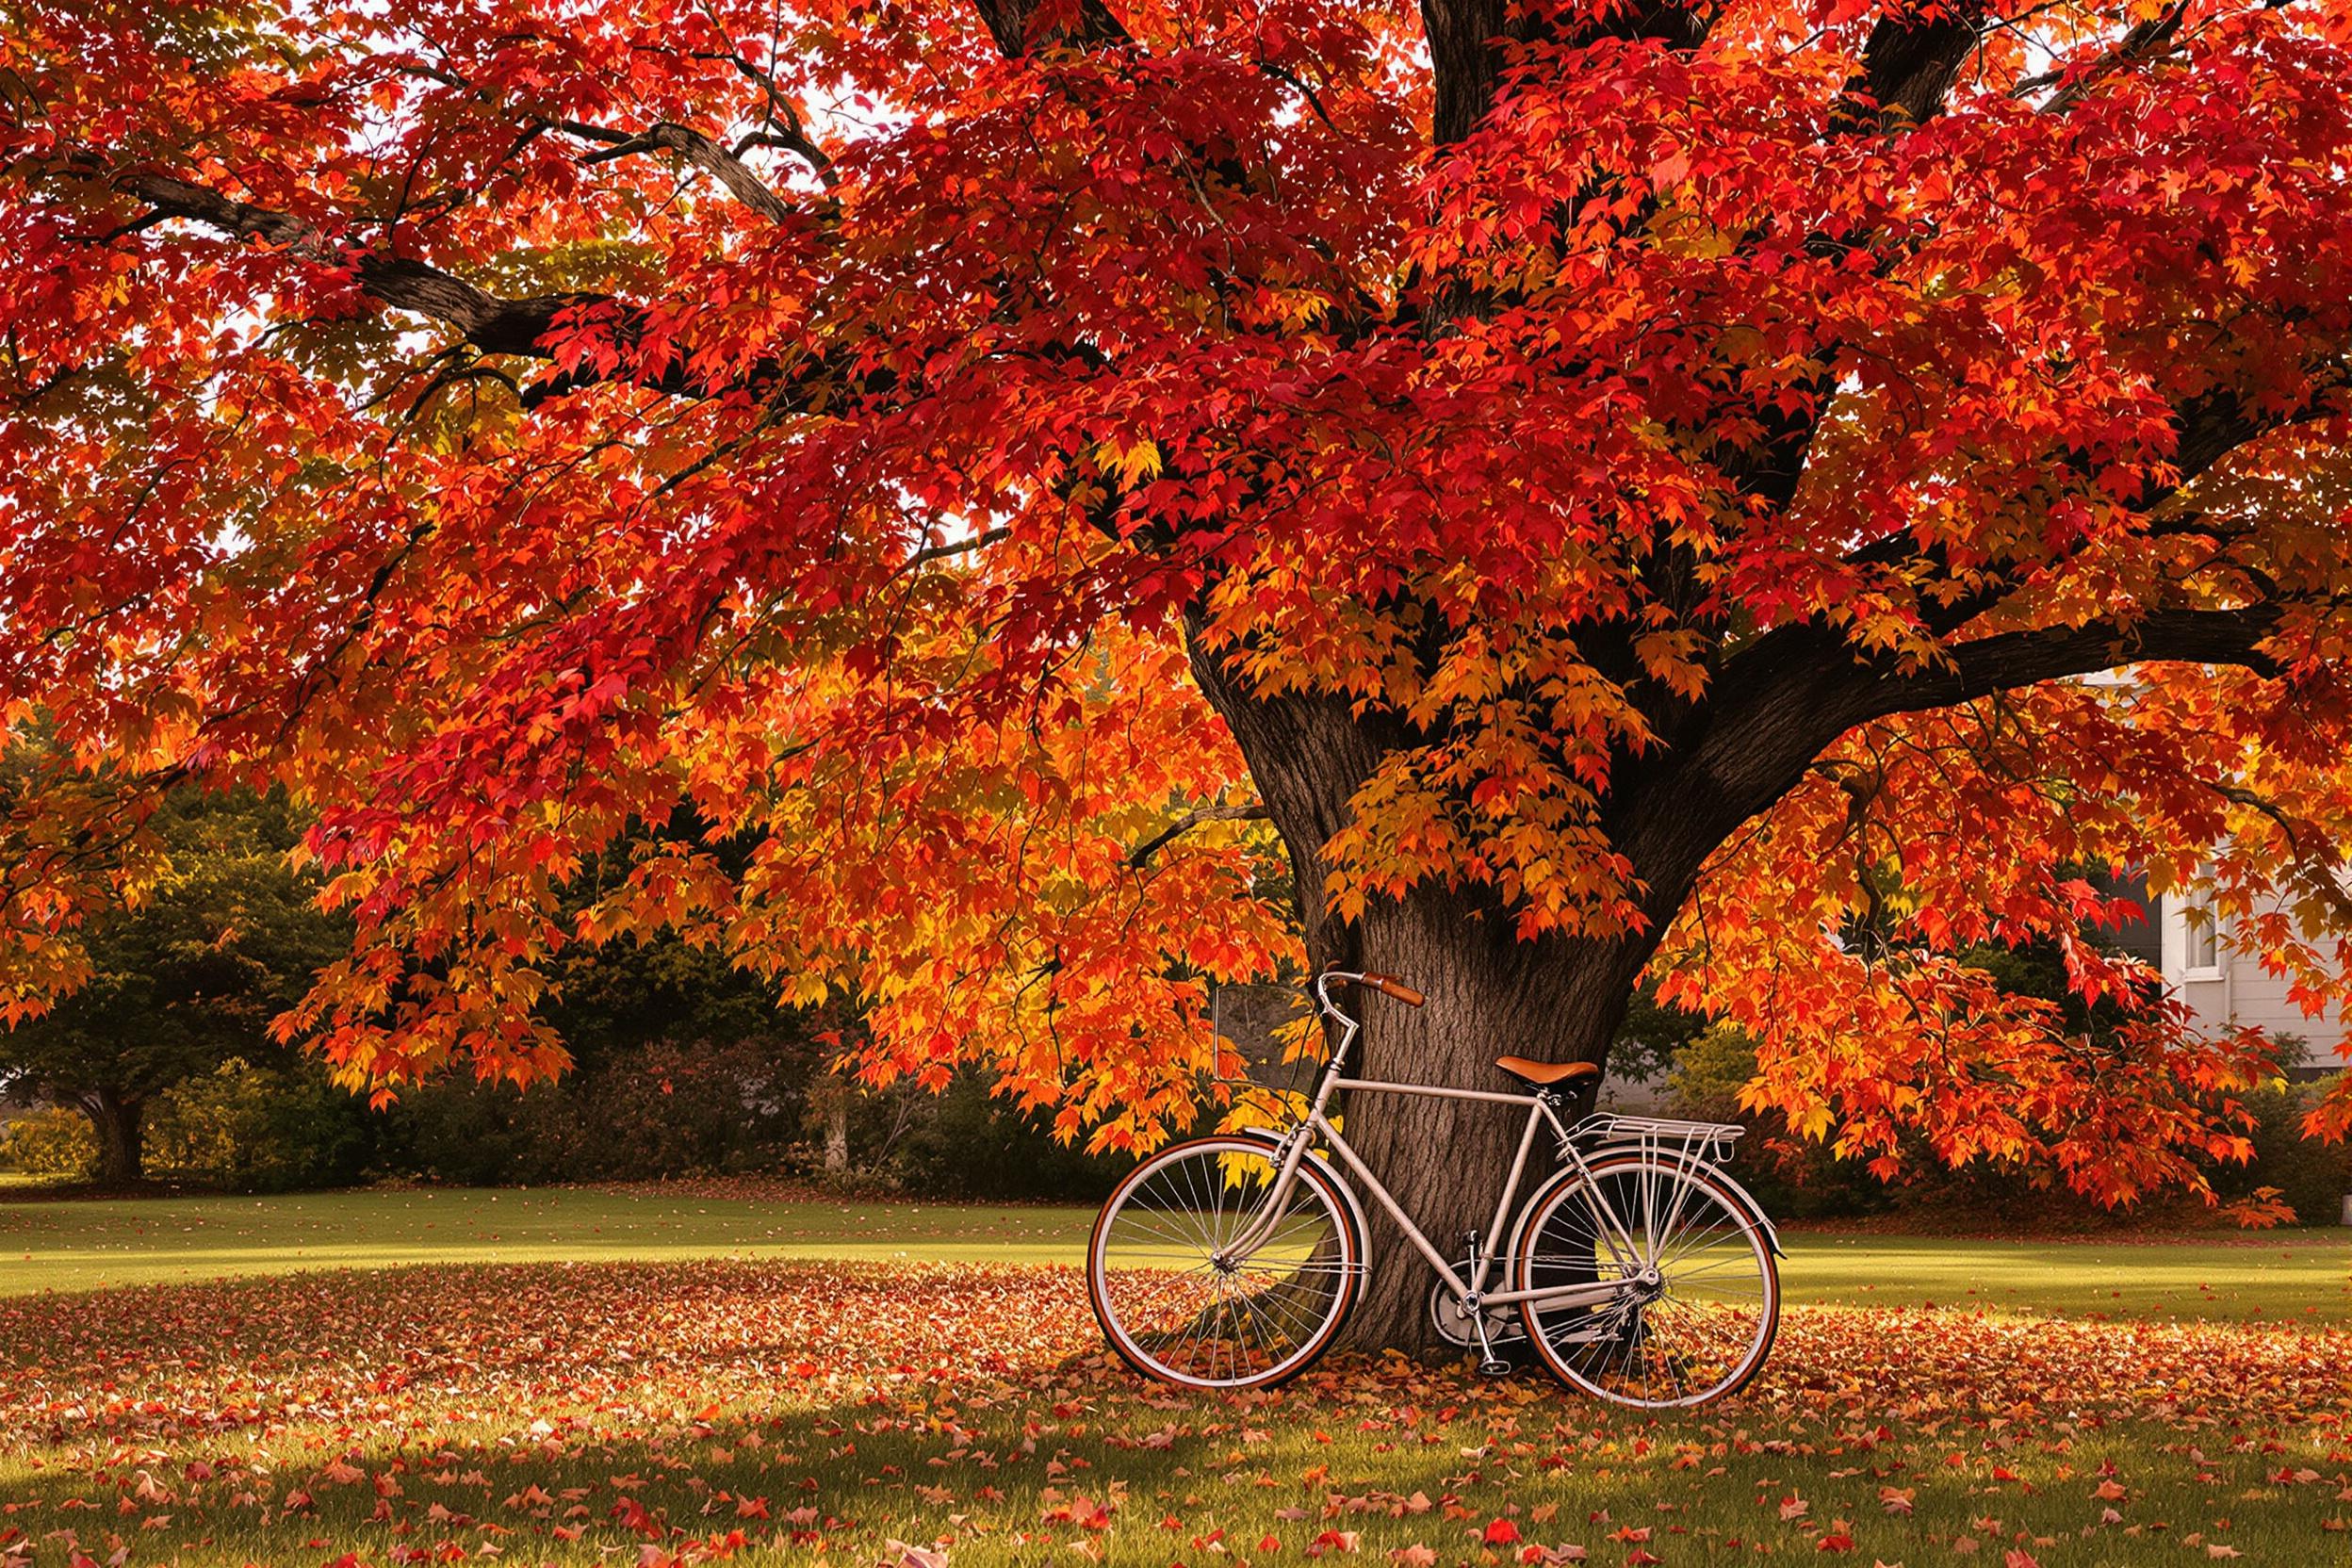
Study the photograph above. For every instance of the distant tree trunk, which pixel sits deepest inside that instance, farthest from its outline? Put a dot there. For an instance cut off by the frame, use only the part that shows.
(118, 1123)
(832, 1097)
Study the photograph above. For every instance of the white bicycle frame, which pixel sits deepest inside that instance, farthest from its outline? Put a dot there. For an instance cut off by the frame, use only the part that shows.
(1636, 1261)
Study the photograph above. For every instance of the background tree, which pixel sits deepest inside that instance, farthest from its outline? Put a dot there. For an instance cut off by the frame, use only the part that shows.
(227, 936)
(1615, 486)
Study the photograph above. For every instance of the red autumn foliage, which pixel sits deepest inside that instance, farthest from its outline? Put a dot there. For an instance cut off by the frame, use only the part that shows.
(1620, 489)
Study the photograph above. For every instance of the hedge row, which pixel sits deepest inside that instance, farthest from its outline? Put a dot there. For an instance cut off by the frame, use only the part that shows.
(652, 1112)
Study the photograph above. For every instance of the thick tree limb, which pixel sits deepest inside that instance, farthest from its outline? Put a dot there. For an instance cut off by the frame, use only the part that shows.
(1465, 60)
(1908, 67)
(1022, 28)
(2211, 427)
(1791, 694)
(2015, 658)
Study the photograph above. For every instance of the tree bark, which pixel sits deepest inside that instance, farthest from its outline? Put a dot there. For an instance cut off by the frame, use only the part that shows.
(828, 1110)
(118, 1123)
(1489, 994)
(837, 1135)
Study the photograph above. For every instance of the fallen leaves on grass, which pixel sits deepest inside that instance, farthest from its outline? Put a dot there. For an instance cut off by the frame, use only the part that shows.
(859, 1415)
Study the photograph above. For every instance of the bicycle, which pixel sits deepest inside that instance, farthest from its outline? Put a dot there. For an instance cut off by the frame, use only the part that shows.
(1642, 1273)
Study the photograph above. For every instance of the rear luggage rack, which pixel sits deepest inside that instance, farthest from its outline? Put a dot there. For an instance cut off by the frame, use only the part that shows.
(1690, 1140)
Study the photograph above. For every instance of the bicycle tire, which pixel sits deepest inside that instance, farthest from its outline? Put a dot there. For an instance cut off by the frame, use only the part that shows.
(1628, 1354)
(1170, 1312)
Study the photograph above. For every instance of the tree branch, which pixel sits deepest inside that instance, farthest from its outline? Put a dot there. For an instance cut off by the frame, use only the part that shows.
(929, 553)
(1023, 27)
(1908, 66)
(492, 323)
(2014, 658)
(696, 148)
(2268, 808)
(2146, 40)
(725, 166)
(2208, 429)
(785, 127)
(1787, 697)
(1143, 852)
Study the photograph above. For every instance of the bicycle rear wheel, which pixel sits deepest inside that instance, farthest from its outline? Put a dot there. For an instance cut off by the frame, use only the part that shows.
(1175, 1300)
(1698, 1298)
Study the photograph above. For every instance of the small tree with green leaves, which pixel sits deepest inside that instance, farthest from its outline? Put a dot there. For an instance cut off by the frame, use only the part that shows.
(226, 937)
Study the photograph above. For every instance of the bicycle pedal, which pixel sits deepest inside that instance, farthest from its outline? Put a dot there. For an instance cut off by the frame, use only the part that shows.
(1495, 1369)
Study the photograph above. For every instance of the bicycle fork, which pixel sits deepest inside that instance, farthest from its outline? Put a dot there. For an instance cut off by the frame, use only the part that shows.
(1295, 1142)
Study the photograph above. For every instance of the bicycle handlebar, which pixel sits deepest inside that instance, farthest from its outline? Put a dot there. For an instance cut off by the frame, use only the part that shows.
(1387, 985)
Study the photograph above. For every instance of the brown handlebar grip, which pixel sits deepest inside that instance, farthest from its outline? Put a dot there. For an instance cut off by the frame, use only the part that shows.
(1388, 985)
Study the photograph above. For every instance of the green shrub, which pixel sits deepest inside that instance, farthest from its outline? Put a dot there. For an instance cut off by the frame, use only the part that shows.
(468, 1133)
(967, 1143)
(2311, 1177)
(249, 1128)
(648, 1112)
(51, 1142)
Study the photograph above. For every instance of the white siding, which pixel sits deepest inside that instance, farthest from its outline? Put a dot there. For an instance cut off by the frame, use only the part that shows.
(2239, 991)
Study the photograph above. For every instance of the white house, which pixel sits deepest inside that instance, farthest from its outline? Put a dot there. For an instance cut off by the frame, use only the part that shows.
(2190, 943)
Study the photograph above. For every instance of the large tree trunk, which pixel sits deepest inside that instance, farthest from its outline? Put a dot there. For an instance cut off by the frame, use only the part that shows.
(118, 1123)
(1762, 723)
(1490, 994)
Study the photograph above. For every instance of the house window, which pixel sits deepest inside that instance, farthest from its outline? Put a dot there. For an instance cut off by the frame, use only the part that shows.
(2200, 934)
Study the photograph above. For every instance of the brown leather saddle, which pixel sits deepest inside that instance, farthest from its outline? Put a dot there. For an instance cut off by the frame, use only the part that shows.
(1547, 1076)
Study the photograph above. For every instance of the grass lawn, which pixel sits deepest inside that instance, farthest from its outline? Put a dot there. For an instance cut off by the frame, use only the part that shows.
(583, 1377)
(801, 1411)
(78, 1245)
(84, 1244)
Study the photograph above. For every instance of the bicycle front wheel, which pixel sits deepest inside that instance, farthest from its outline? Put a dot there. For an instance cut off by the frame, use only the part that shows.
(1180, 1299)
(1695, 1296)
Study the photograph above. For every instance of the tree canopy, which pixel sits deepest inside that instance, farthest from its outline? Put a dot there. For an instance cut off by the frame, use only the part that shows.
(1619, 487)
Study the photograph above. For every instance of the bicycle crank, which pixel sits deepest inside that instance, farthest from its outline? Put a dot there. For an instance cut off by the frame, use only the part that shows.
(1503, 1325)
